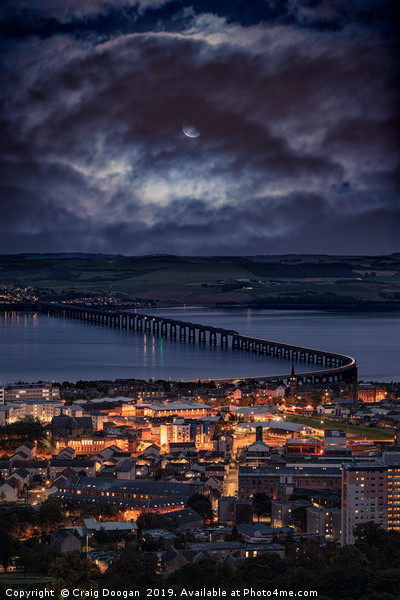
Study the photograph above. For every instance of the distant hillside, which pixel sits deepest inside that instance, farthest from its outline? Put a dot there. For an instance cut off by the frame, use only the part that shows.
(290, 280)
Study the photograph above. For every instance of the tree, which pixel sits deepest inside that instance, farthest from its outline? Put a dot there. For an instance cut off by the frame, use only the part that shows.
(348, 570)
(261, 505)
(262, 572)
(8, 547)
(299, 518)
(381, 547)
(158, 474)
(133, 568)
(234, 536)
(37, 558)
(50, 514)
(202, 505)
(153, 521)
(369, 533)
(107, 512)
(74, 572)
(204, 573)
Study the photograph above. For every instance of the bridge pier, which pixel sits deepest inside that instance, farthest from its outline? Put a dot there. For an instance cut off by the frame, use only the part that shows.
(337, 367)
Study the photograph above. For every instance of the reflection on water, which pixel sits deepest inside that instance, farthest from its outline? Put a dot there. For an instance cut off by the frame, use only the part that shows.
(34, 346)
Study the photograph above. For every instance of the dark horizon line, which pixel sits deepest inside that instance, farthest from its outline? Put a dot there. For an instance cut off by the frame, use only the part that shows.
(166, 255)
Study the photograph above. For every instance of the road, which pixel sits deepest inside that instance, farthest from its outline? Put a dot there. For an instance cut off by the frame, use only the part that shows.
(231, 479)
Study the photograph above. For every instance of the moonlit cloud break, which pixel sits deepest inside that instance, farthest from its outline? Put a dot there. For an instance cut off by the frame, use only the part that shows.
(296, 104)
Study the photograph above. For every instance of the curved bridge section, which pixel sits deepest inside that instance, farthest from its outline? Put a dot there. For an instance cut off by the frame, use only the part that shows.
(334, 367)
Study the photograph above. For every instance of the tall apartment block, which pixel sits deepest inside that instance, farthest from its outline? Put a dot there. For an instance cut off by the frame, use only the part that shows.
(364, 497)
(392, 461)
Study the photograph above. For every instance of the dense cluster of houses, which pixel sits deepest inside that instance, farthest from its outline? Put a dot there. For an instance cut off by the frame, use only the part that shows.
(151, 454)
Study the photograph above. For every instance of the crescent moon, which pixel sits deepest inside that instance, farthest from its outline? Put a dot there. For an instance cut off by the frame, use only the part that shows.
(190, 130)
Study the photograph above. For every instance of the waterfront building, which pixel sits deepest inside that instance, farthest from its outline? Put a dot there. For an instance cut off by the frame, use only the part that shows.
(370, 393)
(28, 391)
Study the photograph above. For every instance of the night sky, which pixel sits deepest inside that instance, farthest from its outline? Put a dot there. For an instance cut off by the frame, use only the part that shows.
(296, 103)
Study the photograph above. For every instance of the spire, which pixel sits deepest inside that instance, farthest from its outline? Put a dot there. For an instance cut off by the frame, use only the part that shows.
(292, 381)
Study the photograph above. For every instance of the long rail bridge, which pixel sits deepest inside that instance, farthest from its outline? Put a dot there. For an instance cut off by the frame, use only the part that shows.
(334, 367)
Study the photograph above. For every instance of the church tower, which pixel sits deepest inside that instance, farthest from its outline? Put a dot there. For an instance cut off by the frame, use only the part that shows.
(292, 382)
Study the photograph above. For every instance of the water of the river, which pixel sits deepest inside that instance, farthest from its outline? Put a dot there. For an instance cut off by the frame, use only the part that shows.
(37, 347)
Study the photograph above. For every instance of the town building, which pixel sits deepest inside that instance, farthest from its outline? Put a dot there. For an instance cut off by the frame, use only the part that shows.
(234, 511)
(324, 521)
(95, 444)
(281, 511)
(178, 409)
(364, 497)
(266, 479)
(303, 446)
(182, 430)
(334, 439)
(223, 442)
(133, 496)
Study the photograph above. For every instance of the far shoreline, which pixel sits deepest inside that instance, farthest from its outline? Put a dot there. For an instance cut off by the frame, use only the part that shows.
(353, 307)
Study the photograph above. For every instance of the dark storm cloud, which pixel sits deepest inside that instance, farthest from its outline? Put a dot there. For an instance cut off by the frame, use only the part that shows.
(115, 17)
(298, 148)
